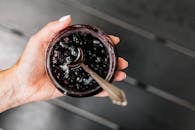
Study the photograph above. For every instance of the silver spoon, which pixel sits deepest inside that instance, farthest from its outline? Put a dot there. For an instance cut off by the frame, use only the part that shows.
(116, 95)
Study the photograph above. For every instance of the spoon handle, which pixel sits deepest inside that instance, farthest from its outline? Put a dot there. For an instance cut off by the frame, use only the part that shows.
(115, 94)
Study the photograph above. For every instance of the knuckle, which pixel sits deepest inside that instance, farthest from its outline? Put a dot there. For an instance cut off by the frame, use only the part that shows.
(50, 23)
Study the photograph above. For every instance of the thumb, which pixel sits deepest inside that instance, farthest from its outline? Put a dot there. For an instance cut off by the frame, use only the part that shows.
(49, 31)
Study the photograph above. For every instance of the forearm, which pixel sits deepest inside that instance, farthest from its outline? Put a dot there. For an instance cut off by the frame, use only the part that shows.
(8, 99)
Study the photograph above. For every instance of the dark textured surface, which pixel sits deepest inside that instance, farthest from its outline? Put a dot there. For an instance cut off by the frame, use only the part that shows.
(172, 19)
(150, 62)
(44, 116)
(144, 112)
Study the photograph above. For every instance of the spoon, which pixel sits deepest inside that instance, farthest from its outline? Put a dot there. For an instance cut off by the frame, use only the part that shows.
(116, 95)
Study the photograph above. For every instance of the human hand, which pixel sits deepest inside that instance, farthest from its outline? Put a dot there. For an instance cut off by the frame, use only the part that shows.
(29, 77)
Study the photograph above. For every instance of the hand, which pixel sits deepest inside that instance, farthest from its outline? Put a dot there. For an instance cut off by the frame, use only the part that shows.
(29, 77)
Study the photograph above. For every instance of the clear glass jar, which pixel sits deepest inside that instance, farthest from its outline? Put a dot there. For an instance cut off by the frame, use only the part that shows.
(63, 54)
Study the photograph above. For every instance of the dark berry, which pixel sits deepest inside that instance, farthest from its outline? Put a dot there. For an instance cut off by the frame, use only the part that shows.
(98, 54)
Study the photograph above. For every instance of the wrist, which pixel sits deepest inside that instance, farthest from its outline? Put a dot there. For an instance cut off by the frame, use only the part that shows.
(8, 95)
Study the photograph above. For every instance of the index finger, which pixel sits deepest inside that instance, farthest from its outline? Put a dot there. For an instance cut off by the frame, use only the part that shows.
(50, 30)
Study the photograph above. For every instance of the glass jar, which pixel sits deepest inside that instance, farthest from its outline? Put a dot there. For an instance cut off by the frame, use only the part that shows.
(73, 45)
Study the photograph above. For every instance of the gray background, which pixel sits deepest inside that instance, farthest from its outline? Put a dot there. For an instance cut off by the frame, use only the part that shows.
(157, 39)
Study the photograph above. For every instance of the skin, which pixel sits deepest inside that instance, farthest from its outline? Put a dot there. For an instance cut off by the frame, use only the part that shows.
(27, 81)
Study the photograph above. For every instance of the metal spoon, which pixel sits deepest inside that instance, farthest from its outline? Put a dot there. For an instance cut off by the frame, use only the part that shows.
(115, 94)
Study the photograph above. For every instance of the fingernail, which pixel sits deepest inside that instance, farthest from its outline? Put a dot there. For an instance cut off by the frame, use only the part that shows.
(64, 18)
(125, 75)
(127, 63)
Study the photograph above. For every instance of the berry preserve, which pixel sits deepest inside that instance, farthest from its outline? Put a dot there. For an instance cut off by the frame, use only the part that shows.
(76, 44)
